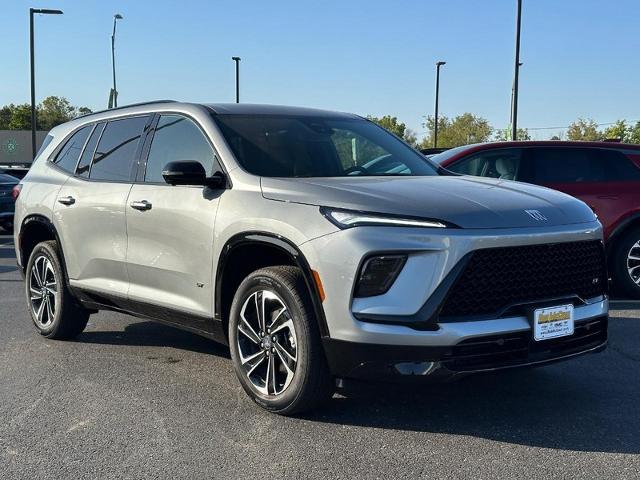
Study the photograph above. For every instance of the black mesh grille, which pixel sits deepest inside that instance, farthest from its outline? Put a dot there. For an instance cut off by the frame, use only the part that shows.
(498, 278)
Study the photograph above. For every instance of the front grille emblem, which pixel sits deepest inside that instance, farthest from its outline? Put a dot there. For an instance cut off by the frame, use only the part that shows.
(536, 215)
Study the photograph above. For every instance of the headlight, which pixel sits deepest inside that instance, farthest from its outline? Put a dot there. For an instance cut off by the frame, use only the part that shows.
(346, 219)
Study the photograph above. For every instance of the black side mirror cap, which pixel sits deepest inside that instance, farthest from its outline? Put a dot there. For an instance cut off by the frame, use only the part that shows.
(187, 172)
(190, 172)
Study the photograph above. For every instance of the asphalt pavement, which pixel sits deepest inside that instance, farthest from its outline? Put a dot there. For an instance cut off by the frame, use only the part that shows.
(134, 399)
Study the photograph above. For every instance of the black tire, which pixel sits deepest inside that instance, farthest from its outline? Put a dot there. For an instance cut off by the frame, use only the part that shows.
(623, 282)
(311, 383)
(68, 319)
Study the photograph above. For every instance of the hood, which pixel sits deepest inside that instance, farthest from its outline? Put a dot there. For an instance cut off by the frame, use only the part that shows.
(468, 202)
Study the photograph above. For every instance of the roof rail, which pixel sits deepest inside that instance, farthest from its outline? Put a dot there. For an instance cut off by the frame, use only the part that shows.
(151, 102)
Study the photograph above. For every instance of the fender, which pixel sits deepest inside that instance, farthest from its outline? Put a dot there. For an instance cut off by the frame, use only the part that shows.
(289, 248)
(48, 224)
(620, 228)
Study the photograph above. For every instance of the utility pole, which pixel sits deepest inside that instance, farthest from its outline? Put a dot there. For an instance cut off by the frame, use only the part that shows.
(32, 11)
(237, 60)
(435, 126)
(514, 103)
(113, 98)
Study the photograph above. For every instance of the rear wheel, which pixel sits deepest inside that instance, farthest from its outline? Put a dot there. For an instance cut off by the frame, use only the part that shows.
(626, 264)
(53, 310)
(275, 343)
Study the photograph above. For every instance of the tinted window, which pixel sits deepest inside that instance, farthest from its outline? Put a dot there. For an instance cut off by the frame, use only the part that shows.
(68, 157)
(306, 146)
(116, 152)
(45, 144)
(85, 161)
(500, 163)
(576, 165)
(619, 167)
(177, 138)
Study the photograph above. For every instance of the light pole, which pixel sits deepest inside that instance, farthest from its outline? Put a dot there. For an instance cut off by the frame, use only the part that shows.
(514, 105)
(237, 60)
(113, 98)
(32, 11)
(435, 124)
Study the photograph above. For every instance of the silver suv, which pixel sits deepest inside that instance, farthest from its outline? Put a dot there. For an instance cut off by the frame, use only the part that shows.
(318, 246)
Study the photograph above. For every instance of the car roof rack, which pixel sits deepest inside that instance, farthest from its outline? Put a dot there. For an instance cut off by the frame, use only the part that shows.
(150, 102)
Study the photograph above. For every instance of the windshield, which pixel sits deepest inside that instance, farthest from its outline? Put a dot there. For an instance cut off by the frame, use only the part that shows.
(441, 157)
(306, 146)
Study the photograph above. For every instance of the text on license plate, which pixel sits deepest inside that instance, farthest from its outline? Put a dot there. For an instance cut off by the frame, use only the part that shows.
(552, 322)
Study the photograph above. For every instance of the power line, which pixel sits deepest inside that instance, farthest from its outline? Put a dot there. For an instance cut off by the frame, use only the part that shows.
(555, 128)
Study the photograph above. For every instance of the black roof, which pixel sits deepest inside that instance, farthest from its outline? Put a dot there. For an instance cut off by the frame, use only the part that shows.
(260, 109)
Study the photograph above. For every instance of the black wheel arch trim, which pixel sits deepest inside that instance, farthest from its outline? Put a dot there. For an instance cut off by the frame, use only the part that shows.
(290, 249)
(42, 220)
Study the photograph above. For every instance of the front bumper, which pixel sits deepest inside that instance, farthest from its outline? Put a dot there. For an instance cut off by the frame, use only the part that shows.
(462, 348)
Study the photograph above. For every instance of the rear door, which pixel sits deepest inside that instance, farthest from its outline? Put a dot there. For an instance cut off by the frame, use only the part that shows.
(90, 207)
(170, 228)
(604, 179)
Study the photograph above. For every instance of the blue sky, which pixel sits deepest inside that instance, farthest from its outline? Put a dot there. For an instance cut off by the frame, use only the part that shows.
(581, 57)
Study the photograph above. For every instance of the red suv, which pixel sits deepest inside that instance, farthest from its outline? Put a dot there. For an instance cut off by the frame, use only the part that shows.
(606, 176)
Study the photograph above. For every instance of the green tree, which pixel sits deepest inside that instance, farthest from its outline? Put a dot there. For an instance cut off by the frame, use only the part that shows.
(504, 135)
(411, 137)
(461, 130)
(20, 117)
(399, 129)
(51, 112)
(584, 129)
(390, 123)
(619, 131)
(634, 133)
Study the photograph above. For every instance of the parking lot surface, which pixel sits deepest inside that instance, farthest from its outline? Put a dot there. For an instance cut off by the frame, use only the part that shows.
(134, 399)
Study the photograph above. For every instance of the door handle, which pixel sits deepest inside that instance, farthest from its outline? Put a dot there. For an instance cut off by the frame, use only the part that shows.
(141, 205)
(68, 200)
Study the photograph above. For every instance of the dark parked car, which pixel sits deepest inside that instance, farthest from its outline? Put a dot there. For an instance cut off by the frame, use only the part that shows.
(605, 175)
(17, 170)
(7, 205)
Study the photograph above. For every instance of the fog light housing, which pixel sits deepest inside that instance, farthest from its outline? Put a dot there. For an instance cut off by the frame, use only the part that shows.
(378, 273)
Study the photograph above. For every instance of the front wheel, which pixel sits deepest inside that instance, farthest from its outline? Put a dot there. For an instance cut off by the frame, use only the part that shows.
(53, 310)
(275, 343)
(626, 264)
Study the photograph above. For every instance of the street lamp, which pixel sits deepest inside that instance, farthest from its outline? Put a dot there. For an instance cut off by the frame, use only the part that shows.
(43, 11)
(113, 98)
(435, 125)
(514, 103)
(237, 60)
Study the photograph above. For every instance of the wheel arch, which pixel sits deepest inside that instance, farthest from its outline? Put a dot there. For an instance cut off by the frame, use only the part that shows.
(629, 222)
(258, 241)
(36, 228)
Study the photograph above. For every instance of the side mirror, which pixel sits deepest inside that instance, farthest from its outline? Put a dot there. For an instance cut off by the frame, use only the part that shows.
(190, 172)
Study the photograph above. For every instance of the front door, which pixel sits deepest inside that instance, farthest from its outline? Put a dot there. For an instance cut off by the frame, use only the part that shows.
(170, 230)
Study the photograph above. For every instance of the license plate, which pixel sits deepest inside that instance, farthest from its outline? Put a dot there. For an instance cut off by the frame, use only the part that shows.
(552, 322)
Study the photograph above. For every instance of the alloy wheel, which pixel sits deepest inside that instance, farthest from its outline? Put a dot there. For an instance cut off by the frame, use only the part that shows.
(267, 343)
(43, 288)
(633, 263)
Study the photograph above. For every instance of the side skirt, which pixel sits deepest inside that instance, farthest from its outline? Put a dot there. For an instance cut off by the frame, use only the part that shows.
(200, 325)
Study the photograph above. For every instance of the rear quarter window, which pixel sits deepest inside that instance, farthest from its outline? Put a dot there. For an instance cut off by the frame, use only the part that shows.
(579, 165)
(67, 158)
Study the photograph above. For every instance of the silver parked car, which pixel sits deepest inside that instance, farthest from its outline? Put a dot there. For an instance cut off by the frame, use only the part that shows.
(263, 227)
